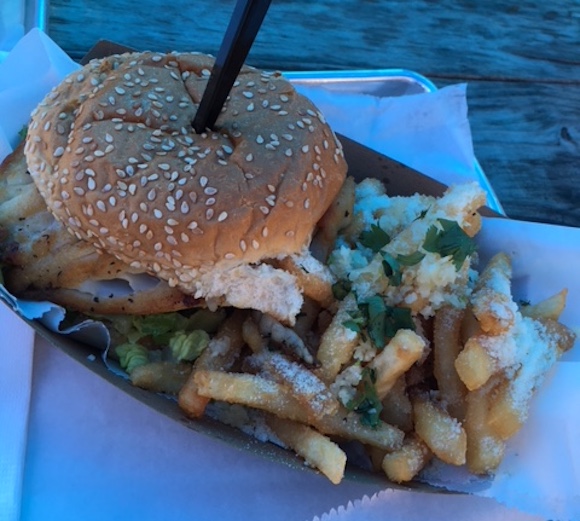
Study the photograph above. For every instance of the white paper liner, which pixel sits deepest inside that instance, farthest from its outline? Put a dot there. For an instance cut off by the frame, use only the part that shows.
(540, 474)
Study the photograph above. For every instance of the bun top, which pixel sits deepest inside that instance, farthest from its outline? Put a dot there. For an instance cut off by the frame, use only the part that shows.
(113, 152)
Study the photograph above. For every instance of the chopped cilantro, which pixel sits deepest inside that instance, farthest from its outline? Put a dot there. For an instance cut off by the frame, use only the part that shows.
(375, 238)
(422, 214)
(449, 240)
(392, 269)
(412, 259)
(366, 402)
(398, 318)
(341, 289)
(357, 322)
(380, 321)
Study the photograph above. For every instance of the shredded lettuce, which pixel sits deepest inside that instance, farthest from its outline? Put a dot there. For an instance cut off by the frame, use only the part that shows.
(186, 347)
(131, 356)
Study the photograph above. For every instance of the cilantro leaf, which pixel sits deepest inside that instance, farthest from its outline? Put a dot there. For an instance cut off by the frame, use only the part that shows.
(357, 322)
(449, 241)
(398, 318)
(381, 321)
(376, 312)
(412, 259)
(366, 402)
(422, 214)
(392, 269)
(341, 289)
(375, 238)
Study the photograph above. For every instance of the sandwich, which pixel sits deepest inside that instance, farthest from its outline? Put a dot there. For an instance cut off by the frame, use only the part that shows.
(128, 210)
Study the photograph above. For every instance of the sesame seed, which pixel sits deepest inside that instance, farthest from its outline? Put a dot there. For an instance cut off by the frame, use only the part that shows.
(222, 216)
(59, 151)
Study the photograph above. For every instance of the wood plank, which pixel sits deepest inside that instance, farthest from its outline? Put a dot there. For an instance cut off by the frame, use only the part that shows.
(521, 62)
(527, 139)
(493, 38)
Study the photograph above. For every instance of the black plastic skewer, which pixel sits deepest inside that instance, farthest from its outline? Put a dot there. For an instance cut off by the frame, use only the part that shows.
(244, 25)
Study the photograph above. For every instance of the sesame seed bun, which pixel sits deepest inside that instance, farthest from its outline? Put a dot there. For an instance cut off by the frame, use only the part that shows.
(113, 153)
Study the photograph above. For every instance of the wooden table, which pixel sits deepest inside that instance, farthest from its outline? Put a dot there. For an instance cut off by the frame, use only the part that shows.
(521, 61)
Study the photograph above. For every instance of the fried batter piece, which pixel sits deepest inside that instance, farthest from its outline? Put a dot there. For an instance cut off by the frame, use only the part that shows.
(41, 260)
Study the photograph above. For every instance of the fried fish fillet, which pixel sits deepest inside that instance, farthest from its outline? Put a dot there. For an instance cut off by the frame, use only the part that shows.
(41, 260)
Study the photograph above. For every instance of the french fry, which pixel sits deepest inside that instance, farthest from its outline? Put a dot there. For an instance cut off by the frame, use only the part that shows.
(442, 433)
(446, 347)
(338, 216)
(511, 399)
(285, 337)
(347, 425)
(161, 377)
(470, 326)
(400, 353)
(485, 449)
(492, 300)
(249, 390)
(252, 336)
(316, 449)
(304, 385)
(405, 463)
(504, 416)
(474, 364)
(306, 321)
(261, 393)
(549, 308)
(397, 408)
(221, 353)
(313, 278)
(338, 342)
(563, 337)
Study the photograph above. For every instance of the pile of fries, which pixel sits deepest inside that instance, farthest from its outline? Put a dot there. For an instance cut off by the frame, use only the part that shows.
(402, 346)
